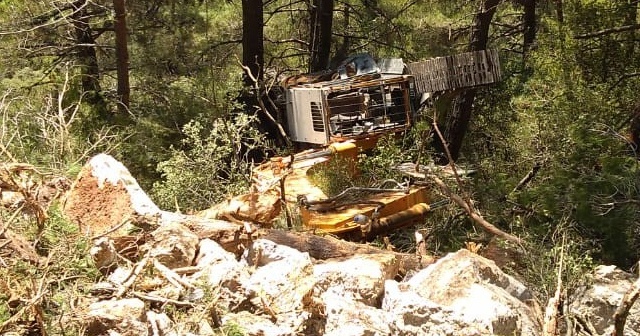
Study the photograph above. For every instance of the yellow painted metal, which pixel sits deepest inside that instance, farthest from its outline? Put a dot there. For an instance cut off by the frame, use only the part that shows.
(340, 220)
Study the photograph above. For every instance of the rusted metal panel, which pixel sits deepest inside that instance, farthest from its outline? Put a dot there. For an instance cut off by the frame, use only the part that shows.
(458, 71)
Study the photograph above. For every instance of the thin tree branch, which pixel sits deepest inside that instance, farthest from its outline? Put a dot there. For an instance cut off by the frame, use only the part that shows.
(607, 31)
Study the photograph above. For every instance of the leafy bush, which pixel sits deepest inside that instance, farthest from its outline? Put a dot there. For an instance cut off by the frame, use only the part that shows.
(212, 165)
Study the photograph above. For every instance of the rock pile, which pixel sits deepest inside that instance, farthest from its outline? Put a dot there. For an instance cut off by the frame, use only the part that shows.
(190, 276)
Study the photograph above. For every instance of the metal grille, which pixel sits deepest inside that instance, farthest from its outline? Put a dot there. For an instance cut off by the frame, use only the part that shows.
(316, 117)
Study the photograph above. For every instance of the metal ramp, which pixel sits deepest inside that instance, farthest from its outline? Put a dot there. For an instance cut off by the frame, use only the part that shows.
(464, 70)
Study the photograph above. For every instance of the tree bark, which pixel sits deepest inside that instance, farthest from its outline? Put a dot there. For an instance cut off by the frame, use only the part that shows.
(458, 120)
(559, 11)
(88, 60)
(122, 55)
(252, 40)
(321, 16)
(530, 26)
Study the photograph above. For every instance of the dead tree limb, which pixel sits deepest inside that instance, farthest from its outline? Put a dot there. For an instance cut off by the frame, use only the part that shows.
(527, 178)
(607, 31)
(484, 224)
(465, 203)
(550, 325)
(621, 314)
(328, 247)
(263, 108)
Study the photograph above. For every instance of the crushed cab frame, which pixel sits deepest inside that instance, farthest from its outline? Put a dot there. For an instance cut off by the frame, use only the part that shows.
(353, 108)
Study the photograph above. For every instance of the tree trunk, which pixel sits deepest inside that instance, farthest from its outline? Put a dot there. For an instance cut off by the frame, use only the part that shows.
(122, 55)
(529, 19)
(342, 50)
(321, 16)
(252, 40)
(631, 19)
(559, 11)
(458, 120)
(88, 60)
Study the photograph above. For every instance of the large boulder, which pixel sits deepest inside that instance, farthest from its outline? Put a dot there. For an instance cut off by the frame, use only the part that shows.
(597, 302)
(283, 278)
(104, 196)
(222, 273)
(460, 282)
(363, 276)
(408, 313)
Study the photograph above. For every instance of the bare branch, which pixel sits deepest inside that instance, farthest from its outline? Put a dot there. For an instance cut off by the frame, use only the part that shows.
(607, 31)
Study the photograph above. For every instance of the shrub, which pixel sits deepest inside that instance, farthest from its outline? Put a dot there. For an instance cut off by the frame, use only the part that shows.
(212, 164)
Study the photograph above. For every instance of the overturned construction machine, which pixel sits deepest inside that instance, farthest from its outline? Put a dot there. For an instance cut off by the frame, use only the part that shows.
(344, 112)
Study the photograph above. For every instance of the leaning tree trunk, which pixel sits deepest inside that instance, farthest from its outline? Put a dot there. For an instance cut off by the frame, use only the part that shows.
(122, 55)
(458, 120)
(321, 18)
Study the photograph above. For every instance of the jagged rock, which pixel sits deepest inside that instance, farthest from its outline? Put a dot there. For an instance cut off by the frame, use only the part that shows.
(245, 323)
(263, 251)
(461, 280)
(597, 302)
(218, 266)
(104, 315)
(174, 245)
(362, 275)
(161, 324)
(345, 316)
(408, 313)
(220, 271)
(105, 195)
(104, 255)
(282, 284)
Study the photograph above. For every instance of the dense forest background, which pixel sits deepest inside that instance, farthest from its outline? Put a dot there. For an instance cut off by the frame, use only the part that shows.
(178, 91)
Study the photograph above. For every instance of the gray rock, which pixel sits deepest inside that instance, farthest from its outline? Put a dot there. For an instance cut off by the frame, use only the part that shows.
(284, 280)
(598, 302)
(222, 273)
(104, 315)
(476, 292)
(345, 316)
(409, 313)
(174, 245)
(361, 275)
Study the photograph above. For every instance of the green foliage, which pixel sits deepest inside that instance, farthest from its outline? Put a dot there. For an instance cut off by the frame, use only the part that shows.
(379, 164)
(334, 176)
(214, 164)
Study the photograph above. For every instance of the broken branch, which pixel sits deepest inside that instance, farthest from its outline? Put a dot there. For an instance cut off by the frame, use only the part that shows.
(473, 214)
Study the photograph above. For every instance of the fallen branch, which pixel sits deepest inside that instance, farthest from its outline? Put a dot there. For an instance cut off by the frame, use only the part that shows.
(171, 276)
(550, 325)
(328, 247)
(607, 31)
(621, 314)
(473, 214)
(466, 202)
(143, 296)
(132, 276)
(527, 178)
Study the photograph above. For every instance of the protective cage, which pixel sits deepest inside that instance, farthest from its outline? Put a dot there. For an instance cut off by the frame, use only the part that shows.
(361, 106)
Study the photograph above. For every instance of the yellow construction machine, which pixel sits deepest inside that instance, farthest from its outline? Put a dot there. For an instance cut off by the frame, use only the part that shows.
(343, 113)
